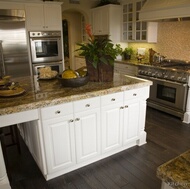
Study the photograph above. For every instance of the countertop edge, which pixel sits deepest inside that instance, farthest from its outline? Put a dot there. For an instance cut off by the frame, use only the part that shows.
(56, 101)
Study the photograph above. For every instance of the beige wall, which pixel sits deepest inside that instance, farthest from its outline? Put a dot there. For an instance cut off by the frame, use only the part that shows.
(173, 40)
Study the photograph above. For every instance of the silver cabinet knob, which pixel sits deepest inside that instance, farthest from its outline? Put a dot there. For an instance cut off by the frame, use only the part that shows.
(77, 119)
(87, 105)
(134, 94)
(121, 107)
(58, 112)
(71, 120)
(113, 99)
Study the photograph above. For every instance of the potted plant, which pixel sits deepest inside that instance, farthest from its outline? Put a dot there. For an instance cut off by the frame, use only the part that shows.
(127, 52)
(100, 54)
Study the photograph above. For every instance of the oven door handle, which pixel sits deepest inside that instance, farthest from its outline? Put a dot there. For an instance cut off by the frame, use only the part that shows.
(44, 38)
(162, 80)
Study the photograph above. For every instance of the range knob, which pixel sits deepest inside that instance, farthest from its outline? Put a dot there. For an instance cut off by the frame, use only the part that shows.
(179, 78)
(184, 79)
(165, 76)
(172, 77)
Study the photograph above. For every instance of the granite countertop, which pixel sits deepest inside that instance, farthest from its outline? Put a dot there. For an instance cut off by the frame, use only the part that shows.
(176, 172)
(42, 93)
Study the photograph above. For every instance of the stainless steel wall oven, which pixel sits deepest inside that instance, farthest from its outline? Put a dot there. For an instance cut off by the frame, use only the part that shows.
(46, 46)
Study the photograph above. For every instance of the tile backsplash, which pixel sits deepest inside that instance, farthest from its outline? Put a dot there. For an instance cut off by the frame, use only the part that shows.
(173, 40)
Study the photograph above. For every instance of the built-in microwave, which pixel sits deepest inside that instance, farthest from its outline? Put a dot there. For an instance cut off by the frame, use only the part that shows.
(46, 46)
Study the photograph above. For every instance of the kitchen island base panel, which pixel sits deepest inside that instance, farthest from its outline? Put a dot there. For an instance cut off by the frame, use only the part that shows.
(186, 118)
(19, 117)
(142, 139)
(93, 160)
(4, 182)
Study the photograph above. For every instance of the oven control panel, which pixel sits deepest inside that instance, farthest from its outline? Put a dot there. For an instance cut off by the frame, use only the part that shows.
(165, 74)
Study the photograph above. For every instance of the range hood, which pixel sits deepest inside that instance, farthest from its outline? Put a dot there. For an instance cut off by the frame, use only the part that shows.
(12, 15)
(165, 10)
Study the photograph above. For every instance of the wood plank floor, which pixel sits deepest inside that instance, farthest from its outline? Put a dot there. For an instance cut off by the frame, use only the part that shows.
(134, 168)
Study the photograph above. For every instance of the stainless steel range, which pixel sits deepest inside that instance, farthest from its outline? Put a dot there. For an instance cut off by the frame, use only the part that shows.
(170, 90)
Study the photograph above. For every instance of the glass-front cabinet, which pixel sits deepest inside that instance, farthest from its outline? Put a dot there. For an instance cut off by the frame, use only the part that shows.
(133, 29)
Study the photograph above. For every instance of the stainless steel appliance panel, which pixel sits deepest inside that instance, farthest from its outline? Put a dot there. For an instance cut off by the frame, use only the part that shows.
(58, 66)
(14, 48)
(46, 46)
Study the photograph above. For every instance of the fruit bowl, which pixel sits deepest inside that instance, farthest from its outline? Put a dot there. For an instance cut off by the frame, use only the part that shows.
(75, 82)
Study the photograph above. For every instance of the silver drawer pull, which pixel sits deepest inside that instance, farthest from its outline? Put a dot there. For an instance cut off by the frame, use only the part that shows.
(121, 107)
(71, 120)
(87, 105)
(58, 112)
(113, 99)
(134, 94)
(77, 119)
(126, 106)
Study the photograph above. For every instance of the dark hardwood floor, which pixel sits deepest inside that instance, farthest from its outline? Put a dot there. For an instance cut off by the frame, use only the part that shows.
(135, 168)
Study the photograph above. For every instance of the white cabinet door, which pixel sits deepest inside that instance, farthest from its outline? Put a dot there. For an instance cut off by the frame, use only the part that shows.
(59, 141)
(87, 133)
(106, 20)
(133, 29)
(112, 121)
(52, 17)
(43, 17)
(131, 121)
(100, 21)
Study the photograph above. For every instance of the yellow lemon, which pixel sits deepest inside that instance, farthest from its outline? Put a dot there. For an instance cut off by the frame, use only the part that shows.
(69, 74)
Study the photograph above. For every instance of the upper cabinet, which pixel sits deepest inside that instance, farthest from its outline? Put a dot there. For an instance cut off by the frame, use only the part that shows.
(43, 17)
(135, 30)
(106, 20)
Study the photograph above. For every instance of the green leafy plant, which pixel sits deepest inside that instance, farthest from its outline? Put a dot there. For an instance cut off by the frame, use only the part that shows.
(128, 51)
(99, 50)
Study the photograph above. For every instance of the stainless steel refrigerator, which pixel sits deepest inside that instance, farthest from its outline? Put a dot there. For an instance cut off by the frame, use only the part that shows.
(14, 59)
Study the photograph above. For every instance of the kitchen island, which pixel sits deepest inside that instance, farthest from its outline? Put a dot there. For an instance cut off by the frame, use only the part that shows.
(68, 128)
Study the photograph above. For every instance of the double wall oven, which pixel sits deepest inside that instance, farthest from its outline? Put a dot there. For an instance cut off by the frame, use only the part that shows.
(169, 92)
(46, 50)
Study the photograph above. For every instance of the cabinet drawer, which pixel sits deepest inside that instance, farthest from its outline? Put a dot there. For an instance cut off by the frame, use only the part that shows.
(86, 104)
(57, 111)
(136, 93)
(111, 98)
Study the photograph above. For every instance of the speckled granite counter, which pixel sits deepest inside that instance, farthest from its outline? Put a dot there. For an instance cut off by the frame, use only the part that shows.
(176, 172)
(49, 92)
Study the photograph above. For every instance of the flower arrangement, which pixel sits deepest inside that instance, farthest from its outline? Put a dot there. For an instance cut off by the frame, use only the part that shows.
(99, 50)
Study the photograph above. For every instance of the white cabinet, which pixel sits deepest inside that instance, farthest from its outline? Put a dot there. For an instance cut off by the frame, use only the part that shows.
(43, 17)
(134, 115)
(71, 133)
(59, 139)
(123, 119)
(112, 121)
(87, 128)
(106, 20)
(126, 69)
(135, 30)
